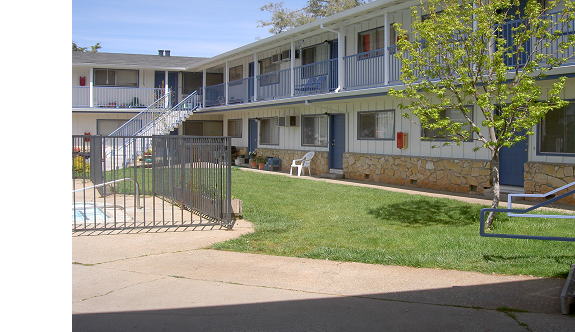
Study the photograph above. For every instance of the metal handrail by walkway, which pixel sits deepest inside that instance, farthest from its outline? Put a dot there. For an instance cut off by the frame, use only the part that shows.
(523, 213)
(136, 186)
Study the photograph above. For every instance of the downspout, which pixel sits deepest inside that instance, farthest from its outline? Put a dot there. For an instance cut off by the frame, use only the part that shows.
(340, 72)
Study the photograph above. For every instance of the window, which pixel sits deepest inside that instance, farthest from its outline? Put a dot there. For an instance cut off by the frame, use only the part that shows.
(106, 126)
(203, 128)
(371, 40)
(269, 131)
(191, 82)
(313, 54)
(116, 77)
(376, 125)
(557, 131)
(266, 67)
(236, 73)
(454, 115)
(235, 128)
(314, 130)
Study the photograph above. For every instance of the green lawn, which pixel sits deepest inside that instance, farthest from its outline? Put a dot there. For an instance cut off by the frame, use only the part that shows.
(315, 219)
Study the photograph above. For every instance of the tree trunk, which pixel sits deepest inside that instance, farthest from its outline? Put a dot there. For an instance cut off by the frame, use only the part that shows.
(496, 188)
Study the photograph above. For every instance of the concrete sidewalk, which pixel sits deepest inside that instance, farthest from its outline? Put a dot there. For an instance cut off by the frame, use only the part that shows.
(166, 281)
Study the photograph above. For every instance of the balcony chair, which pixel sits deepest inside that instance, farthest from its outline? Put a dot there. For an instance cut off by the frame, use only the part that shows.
(301, 163)
(318, 83)
(307, 86)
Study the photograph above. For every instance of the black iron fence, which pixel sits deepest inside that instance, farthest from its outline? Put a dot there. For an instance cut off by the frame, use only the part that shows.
(125, 182)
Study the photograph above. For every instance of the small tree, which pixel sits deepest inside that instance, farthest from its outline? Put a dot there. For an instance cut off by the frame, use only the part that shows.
(94, 48)
(461, 55)
(284, 19)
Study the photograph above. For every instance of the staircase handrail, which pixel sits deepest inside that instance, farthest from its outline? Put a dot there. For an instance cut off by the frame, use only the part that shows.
(173, 117)
(149, 114)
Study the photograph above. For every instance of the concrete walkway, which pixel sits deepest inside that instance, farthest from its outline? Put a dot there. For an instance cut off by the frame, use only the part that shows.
(165, 280)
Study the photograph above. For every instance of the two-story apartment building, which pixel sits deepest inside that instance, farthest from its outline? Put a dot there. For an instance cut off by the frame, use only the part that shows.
(324, 86)
(109, 89)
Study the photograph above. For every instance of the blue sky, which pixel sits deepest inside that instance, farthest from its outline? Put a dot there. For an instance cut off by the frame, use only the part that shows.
(187, 28)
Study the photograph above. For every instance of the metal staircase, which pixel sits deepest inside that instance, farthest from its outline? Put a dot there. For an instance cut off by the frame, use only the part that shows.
(157, 119)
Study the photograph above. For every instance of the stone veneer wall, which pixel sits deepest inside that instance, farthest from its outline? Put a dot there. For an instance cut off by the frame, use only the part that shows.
(541, 178)
(455, 175)
(319, 163)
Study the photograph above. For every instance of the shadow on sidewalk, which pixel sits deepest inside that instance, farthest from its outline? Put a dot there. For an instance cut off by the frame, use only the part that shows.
(470, 308)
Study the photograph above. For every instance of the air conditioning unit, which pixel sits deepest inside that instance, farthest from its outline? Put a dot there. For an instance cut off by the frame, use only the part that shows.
(276, 58)
(286, 55)
(288, 121)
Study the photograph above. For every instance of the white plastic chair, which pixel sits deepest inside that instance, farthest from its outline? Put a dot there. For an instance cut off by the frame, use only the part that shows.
(301, 163)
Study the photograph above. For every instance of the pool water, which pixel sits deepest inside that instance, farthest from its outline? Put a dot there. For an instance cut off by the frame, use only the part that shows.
(88, 212)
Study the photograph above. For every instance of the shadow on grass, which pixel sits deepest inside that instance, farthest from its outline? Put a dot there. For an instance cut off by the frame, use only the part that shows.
(426, 212)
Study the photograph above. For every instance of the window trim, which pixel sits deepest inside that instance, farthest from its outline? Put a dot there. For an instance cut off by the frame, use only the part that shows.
(423, 138)
(375, 138)
(137, 71)
(302, 131)
(538, 141)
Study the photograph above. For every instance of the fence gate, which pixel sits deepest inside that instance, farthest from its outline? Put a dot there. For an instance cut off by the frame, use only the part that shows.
(124, 182)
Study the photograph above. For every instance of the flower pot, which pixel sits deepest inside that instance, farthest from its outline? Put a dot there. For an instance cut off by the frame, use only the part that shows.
(253, 163)
(262, 166)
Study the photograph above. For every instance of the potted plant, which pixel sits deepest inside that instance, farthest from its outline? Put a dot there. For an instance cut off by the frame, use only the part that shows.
(253, 155)
(261, 162)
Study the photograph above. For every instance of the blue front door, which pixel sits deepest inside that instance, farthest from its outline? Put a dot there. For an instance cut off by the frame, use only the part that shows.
(336, 140)
(511, 161)
(252, 135)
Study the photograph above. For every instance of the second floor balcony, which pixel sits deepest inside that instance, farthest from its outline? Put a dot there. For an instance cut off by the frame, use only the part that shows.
(372, 69)
(114, 97)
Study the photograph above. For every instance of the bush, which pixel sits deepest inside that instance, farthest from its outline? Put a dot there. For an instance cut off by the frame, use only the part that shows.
(80, 165)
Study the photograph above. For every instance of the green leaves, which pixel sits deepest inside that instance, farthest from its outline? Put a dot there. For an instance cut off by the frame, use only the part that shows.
(489, 54)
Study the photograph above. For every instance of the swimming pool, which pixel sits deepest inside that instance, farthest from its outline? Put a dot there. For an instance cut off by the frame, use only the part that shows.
(88, 212)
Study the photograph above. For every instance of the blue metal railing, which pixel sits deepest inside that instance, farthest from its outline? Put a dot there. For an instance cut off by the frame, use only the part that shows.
(524, 213)
(274, 85)
(241, 91)
(364, 70)
(215, 95)
(316, 77)
(567, 29)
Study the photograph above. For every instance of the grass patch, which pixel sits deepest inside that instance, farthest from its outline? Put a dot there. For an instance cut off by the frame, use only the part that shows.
(314, 219)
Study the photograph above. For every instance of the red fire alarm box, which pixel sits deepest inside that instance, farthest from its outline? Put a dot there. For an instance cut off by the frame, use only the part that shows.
(87, 138)
(401, 140)
(82, 80)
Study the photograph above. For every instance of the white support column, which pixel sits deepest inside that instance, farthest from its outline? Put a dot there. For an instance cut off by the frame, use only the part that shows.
(292, 73)
(386, 43)
(91, 85)
(256, 73)
(340, 55)
(226, 81)
(340, 76)
(204, 88)
(166, 89)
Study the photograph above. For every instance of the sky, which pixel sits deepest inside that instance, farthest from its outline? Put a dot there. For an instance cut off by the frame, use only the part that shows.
(187, 28)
